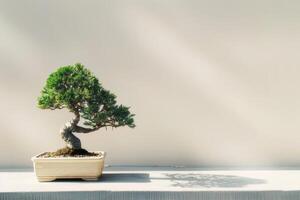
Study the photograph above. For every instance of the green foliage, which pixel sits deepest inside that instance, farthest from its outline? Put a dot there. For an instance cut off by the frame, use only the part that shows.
(74, 87)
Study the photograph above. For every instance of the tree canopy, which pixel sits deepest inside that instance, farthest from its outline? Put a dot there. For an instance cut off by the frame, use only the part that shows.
(74, 87)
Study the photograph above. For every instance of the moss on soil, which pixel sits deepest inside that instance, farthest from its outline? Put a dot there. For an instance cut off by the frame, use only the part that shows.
(68, 152)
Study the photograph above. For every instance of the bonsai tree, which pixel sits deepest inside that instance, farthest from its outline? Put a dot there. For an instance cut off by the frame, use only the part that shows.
(75, 88)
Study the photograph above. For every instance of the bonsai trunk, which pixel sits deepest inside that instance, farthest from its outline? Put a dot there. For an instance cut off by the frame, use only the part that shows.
(67, 135)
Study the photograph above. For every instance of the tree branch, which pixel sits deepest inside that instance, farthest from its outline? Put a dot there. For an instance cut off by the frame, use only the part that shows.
(80, 129)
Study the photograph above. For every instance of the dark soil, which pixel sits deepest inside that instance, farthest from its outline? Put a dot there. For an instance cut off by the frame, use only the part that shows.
(68, 152)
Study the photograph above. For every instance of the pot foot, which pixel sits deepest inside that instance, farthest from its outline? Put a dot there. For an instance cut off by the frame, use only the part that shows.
(90, 179)
(45, 179)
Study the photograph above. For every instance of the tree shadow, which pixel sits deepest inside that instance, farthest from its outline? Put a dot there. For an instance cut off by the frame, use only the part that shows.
(210, 180)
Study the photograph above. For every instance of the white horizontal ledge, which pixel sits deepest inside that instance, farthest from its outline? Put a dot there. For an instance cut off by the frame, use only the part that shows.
(158, 183)
(154, 195)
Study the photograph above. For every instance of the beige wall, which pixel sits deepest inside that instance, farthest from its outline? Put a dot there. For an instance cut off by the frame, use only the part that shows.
(212, 83)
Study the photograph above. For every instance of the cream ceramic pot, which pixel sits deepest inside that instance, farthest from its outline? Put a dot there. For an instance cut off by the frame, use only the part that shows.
(86, 168)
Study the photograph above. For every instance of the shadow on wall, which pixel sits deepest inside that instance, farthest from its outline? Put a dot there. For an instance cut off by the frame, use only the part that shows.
(210, 180)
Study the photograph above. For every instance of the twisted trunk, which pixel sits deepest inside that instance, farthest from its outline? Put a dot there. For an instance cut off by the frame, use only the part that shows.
(67, 133)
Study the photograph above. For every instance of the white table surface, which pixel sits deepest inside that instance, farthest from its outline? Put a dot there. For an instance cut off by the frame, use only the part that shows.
(159, 179)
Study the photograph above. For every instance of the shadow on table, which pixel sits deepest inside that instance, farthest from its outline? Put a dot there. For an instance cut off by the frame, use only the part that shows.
(125, 178)
(193, 180)
(115, 178)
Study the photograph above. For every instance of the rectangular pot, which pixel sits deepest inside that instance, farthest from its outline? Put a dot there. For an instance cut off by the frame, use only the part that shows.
(86, 168)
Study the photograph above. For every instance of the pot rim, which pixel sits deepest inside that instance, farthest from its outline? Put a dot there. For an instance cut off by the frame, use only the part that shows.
(71, 158)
